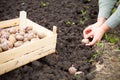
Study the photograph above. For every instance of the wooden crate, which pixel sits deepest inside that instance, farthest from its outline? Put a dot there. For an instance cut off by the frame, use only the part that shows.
(16, 57)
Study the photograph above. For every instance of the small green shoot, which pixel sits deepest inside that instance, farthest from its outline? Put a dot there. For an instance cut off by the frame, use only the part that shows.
(81, 21)
(77, 76)
(100, 44)
(83, 12)
(69, 22)
(111, 39)
(43, 4)
(94, 56)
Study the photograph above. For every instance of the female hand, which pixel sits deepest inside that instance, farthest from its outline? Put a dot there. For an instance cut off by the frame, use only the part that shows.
(95, 31)
(96, 34)
(90, 28)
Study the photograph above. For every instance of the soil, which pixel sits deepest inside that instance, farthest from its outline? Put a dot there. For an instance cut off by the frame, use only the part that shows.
(70, 17)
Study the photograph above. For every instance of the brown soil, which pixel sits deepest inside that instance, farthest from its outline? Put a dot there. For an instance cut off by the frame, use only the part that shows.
(71, 17)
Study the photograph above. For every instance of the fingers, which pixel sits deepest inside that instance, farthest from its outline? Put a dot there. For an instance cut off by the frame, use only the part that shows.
(93, 42)
(90, 35)
(86, 32)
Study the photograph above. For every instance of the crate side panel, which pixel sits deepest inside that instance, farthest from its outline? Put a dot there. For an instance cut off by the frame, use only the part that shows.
(9, 23)
(25, 49)
(13, 64)
(38, 27)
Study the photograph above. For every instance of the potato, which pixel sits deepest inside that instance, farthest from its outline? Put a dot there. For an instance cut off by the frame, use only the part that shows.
(18, 43)
(19, 37)
(22, 33)
(41, 35)
(2, 31)
(25, 39)
(28, 28)
(5, 35)
(25, 36)
(35, 32)
(30, 35)
(12, 30)
(4, 46)
(2, 40)
(85, 41)
(12, 39)
(10, 44)
(72, 70)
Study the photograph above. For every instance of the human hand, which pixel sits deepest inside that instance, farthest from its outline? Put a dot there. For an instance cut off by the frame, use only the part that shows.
(96, 35)
(95, 32)
(90, 28)
(100, 21)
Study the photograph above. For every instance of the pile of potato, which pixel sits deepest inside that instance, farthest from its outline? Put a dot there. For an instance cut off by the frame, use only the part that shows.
(14, 37)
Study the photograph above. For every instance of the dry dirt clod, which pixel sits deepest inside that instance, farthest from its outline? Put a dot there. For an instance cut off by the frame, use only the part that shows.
(99, 67)
(72, 70)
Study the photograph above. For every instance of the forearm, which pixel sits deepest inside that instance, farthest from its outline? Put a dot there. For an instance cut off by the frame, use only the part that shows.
(105, 27)
(101, 20)
(114, 19)
(105, 8)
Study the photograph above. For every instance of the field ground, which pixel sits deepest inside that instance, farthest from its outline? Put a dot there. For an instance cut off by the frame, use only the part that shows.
(70, 17)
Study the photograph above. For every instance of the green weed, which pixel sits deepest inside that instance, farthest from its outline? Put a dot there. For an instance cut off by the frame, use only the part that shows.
(43, 4)
(100, 44)
(69, 22)
(83, 20)
(111, 39)
(94, 56)
(83, 12)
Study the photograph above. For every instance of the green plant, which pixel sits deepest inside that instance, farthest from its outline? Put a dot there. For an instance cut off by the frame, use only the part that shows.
(69, 22)
(77, 76)
(100, 44)
(83, 12)
(83, 20)
(94, 56)
(43, 4)
(111, 39)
